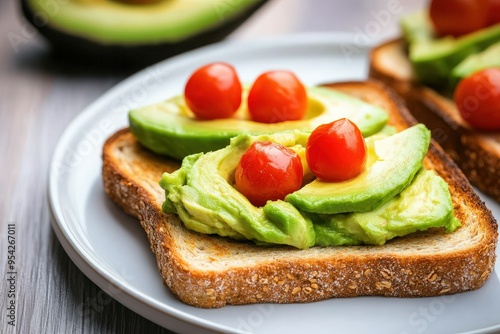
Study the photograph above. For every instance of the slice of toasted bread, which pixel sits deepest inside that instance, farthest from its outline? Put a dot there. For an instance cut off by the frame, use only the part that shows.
(211, 271)
(477, 153)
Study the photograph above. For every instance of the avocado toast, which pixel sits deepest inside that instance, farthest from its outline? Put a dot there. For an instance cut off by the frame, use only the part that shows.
(212, 271)
(429, 95)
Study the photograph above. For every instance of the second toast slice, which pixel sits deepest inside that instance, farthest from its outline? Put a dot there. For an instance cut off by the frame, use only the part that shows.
(477, 153)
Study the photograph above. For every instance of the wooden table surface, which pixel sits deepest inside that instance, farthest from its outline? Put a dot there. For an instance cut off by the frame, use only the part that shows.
(38, 98)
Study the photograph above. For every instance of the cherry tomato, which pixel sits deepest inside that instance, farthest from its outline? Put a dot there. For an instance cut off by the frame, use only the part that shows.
(213, 91)
(268, 171)
(277, 96)
(478, 99)
(494, 14)
(458, 17)
(336, 151)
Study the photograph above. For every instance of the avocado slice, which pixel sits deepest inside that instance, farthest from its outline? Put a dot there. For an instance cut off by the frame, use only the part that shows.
(424, 204)
(476, 62)
(201, 192)
(170, 128)
(392, 163)
(117, 33)
(433, 59)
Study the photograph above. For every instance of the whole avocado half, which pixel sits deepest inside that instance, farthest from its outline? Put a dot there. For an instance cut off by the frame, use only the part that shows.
(120, 34)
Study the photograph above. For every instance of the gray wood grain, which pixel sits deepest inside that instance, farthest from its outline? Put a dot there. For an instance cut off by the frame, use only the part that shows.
(38, 98)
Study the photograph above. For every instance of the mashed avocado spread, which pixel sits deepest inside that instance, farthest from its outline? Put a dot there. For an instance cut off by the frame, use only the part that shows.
(394, 196)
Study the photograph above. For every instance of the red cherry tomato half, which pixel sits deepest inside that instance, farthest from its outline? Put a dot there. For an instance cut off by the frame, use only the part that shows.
(458, 17)
(268, 171)
(277, 96)
(213, 91)
(478, 99)
(336, 151)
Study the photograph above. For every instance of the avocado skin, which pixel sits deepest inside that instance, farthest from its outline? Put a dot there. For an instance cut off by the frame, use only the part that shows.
(70, 48)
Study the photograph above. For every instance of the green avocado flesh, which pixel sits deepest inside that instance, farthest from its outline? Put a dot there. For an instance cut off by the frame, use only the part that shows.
(203, 193)
(170, 128)
(392, 162)
(115, 22)
(433, 59)
(476, 62)
(426, 203)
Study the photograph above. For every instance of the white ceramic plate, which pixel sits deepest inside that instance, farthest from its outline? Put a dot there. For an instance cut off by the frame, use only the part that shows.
(112, 250)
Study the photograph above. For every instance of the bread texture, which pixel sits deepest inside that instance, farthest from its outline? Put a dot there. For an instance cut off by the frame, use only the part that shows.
(210, 271)
(477, 153)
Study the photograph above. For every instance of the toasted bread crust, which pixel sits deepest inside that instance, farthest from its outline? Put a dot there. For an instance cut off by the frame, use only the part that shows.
(469, 148)
(210, 271)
